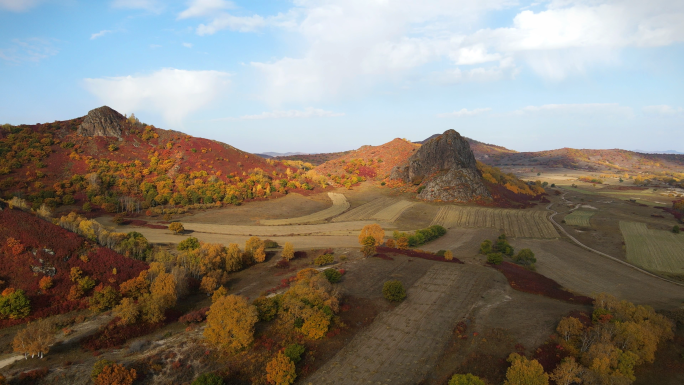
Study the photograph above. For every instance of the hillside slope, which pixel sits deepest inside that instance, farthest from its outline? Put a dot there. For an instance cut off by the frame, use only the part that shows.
(104, 156)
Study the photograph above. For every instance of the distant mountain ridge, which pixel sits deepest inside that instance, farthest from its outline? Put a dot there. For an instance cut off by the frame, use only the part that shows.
(672, 152)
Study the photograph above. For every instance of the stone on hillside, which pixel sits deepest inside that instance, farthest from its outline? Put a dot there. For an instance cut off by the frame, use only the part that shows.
(102, 121)
(447, 169)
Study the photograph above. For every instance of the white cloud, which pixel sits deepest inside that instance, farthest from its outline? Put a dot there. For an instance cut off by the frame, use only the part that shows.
(173, 93)
(155, 6)
(187, 45)
(198, 8)
(28, 50)
(308, 112)
(602, 109)
(100, 34)
(663, 110)
(18, 5)
(234, 23)
(464, 112)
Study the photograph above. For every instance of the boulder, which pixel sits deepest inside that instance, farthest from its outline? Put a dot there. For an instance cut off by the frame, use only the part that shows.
(446, 168)
(102, 121)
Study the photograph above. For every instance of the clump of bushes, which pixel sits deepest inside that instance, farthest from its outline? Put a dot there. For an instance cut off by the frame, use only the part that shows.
(294, 352)
(333, 275)
(494, 258)
(267, 308)
(421, 236)
(324, 259)
(394, 291)
(269, 244)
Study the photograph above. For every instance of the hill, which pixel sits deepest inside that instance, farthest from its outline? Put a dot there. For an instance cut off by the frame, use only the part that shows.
(32, 248)
(103, 157)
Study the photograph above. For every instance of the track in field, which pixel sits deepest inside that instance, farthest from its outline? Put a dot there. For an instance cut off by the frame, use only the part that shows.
(339, 206)
(655, 250)
(401, 346)
(579, 218)
(381, 209)
(514, 223)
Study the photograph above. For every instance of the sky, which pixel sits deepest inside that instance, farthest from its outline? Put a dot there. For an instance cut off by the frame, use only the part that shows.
(333, 75)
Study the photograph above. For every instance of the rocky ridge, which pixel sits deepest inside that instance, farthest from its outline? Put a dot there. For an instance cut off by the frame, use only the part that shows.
(446, 168)
(102, 121)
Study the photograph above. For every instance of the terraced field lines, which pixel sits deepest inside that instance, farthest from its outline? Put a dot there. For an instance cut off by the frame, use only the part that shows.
(655, 250)
(339, 206)
(515, 223)
(365, 211)
(579, 218)
(393, 212)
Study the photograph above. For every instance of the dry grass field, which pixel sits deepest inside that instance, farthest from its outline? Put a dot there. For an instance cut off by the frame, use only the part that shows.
(579, 218)
(655, 250)
(514, 223)
(339, 206)
(381, 209)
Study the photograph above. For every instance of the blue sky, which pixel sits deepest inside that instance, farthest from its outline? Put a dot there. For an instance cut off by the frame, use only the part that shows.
(331, 75)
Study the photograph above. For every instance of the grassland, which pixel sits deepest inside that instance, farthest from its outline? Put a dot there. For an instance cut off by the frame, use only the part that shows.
(514, 223)
(579, 218)
(339, 206)
(655, 250)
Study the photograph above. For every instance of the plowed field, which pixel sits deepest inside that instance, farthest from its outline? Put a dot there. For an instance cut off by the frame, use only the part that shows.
(515, 223)
(339, 206)
(579, 218)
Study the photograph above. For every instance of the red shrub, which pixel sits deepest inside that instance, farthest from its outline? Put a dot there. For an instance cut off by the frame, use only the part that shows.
(531, 282)
(415, 254)
(113, 334)
(196, 316)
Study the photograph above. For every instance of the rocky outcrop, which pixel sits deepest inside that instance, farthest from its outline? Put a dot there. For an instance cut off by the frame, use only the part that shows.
(446, 168)
(102, 121)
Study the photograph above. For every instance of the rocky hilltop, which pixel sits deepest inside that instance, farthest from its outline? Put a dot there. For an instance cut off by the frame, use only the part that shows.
(446, 167)
(102, 121)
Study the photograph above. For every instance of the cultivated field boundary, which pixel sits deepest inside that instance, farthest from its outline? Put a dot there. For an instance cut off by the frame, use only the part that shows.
(554, 212)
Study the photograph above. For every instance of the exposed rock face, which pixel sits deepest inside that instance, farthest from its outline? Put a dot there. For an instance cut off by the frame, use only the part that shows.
(446, 167)
(102, 121)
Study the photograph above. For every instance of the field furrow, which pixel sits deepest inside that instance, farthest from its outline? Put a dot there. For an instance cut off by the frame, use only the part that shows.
(339, 206)
(515, 223)
(580, 218)
(655, 250)
(393, 212)
(365, 211)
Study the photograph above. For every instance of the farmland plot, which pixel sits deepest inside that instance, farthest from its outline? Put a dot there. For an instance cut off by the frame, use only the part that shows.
(579, 218)
(365, 211)
(339, 206)
(392, 213)
(655, 250)
(402, 346)
(515, 223)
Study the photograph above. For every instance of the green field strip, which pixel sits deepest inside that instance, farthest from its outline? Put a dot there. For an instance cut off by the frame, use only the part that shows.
(580, 218)
(656, 250)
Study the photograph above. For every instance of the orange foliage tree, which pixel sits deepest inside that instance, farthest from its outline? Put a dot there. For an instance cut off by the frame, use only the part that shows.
(280, 370)
(116, 374)
(374, 231)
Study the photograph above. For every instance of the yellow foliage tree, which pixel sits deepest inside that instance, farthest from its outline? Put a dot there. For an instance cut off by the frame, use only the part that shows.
(448, 255)
(208, 285)
(280, 370)
(230, 323)
(218, 293)
(176, 227)
(288, 251)
(569, 327)
(316, 324)
(374, 231)
(260, 254)
(127, 310)
(35, 339)
(525, 372)
(233, 258)
(567, 372)
(402, 243)
(163, 290)
(116, 374)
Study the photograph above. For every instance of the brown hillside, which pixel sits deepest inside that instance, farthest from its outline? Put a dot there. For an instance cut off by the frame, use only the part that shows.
(378, 160)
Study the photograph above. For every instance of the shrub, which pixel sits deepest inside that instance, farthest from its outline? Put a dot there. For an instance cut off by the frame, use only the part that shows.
(448, 255)
(87, 207)
(267, 308)
(486, 247)
(269, 244)
(675, 229)
(390, 243)
(45, 283)
(368, 248)
(230, 323)
(208, 379)
(116, 374)
(197, 316)
(402, 243)
(525, 257)
(98, 366)
(176, 227)
(324, 259)
(394, 291)
(294, 352)
(104, 299)
(465, 379)
(332, 275)
(283, 264)
(190, 243)
(14, 304)
(440, 253)
(494, 258)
